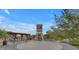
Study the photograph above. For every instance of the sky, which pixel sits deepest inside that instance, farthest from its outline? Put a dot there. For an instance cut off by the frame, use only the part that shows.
(25, 20)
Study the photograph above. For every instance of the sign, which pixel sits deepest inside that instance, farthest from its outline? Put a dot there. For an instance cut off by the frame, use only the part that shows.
(39, 27)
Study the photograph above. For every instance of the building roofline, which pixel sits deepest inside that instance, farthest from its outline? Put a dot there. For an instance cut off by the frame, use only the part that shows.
(17, 33)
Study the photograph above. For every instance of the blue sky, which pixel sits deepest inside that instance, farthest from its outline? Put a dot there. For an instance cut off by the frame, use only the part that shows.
(25, 20)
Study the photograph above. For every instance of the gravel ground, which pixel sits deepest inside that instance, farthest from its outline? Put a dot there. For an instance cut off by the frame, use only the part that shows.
(38, 45)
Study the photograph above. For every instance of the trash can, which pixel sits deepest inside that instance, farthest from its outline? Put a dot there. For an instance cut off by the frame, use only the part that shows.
(4, 43)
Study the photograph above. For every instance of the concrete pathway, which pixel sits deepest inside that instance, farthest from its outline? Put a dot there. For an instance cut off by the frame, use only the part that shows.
(11, 45)
(38, 45)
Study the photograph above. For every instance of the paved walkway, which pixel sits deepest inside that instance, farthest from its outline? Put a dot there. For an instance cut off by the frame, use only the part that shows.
(11, 45)
(37, 45)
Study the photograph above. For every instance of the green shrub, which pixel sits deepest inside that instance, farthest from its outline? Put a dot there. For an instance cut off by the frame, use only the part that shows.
(74, 43)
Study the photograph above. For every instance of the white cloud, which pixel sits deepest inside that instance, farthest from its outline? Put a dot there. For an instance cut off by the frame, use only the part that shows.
(47, 25)
(1, 18)
(20, 27)
(7, 11)
(27, 28)
(8, 25)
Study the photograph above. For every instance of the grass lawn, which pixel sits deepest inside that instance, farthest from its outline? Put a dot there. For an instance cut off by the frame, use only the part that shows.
(74, 43)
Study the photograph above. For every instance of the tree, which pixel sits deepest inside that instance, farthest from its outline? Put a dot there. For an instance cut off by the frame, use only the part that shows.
(4, 36)
(68, 22)
(55, 34)
(48, 35)
(67, 25)
(38, 37)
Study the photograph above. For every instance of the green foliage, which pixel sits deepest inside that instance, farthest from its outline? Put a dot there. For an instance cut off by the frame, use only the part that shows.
(3, 34)
(49, 35)
(74, 43)
(67, 26)
(56, 34)
(37, 37)
(71, 24)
